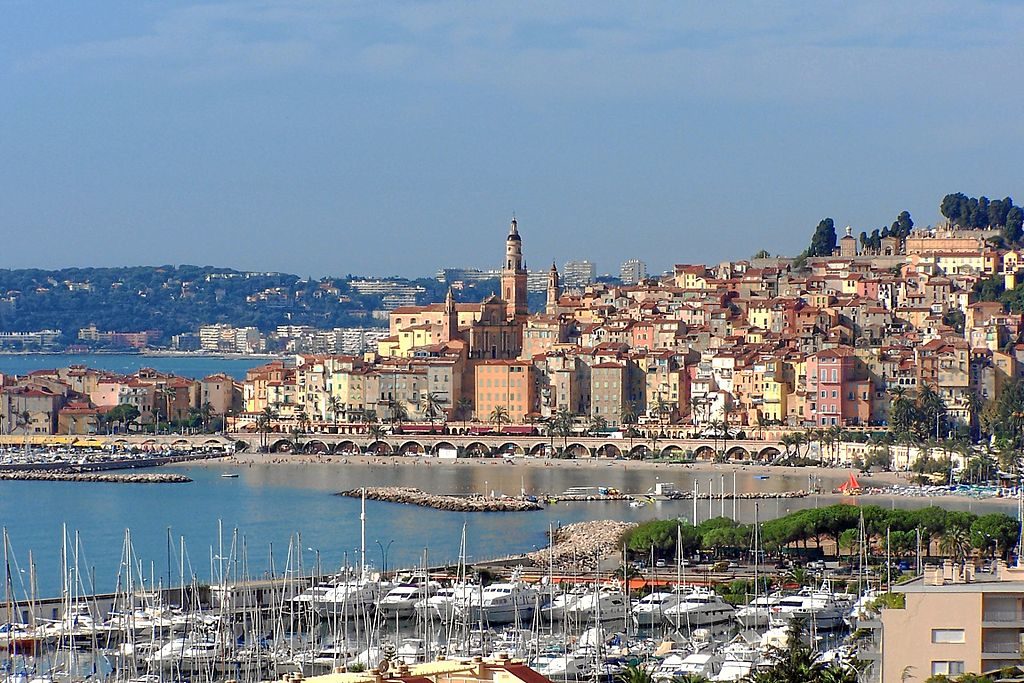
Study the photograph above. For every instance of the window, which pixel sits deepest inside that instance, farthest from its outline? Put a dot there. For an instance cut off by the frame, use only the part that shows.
(947, 635)
(944, 668)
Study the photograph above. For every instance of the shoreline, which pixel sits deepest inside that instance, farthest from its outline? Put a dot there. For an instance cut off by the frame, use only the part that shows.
(826, 474)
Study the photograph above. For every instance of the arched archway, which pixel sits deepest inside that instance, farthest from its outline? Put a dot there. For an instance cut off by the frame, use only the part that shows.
(444, 445)
(347, 447)
(704, 453)
(738, 453)
(608, 450)
(315, 446)
(510, 448)
(411, 448)
(282, 446)
(769, 453)
(576, 450)
(539, 450)
(641, 451)
(478, 449)
(380, 447)
(672, 450)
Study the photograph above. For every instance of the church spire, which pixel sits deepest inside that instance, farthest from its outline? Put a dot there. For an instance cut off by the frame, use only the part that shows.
(554, 290)
(449, 301)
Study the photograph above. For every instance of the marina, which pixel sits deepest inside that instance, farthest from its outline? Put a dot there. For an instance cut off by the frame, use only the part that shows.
(568, 627)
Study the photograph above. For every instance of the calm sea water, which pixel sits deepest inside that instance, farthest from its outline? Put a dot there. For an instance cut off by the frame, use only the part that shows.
(270, 504)
(187, 366)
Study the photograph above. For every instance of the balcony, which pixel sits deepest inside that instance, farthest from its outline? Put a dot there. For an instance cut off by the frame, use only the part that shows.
(1002, 617)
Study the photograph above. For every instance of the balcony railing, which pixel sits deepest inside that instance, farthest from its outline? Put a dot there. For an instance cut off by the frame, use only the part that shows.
(1001, 648)
(1002, 615)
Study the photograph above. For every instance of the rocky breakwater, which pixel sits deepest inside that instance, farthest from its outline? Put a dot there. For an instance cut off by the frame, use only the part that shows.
(414, 496)
(582, 546)
(138, 478)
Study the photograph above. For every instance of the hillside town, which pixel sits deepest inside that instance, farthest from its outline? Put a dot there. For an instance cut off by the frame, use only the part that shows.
(856, 340)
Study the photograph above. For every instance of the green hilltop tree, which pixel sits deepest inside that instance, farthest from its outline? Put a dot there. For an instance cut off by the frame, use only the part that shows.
(824, 240)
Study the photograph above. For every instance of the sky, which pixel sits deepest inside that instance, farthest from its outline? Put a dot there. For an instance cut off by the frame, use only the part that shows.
(396, 138)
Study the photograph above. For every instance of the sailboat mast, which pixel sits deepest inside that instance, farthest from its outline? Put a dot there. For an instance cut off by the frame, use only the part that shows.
(362, 532)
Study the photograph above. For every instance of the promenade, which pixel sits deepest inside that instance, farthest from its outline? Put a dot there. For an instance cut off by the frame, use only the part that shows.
(475, 445)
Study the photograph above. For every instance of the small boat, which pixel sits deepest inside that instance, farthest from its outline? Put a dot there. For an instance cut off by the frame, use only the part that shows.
(229, 475)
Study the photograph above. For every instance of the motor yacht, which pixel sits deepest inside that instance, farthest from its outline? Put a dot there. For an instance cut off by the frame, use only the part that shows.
(499, 603)
(700, 608)
(755, 613)
(650, 610)
(606, 604)
(401, 600)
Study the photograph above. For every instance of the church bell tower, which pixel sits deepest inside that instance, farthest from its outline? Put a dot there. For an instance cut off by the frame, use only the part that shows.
(513, 275)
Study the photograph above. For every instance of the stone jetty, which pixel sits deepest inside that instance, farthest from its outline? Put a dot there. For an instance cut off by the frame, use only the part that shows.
(581, 546)
(414, 496)
(136, 478)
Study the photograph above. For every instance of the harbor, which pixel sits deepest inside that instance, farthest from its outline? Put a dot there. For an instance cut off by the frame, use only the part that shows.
(569, 624)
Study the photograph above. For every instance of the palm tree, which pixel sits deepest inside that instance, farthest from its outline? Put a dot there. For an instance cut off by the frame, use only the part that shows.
(433, 406)
(263, 425)
(956, 542)
(564, 422)
(499, 416)
(397, 412)
(597, 425)
(205, 411)
(628, 415)
(376, 432)
(464, 410)
(335, 406)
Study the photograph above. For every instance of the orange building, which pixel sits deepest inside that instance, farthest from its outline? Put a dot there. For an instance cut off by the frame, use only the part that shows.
(508, 384)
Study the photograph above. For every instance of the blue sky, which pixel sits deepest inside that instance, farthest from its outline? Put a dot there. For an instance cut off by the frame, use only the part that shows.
(396, 138)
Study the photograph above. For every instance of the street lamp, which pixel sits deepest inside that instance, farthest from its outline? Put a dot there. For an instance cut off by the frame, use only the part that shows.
(384, 555)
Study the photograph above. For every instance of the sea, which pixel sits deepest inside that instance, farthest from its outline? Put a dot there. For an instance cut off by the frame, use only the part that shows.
(282, 517)
(186, 366)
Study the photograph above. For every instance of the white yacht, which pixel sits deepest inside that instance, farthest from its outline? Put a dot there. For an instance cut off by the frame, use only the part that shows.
(193, 654)
(679, 664)
(499, 603)
(819, 610)
(321, 660)
(401, 600)
(578, 665)
(755, 613)
(554, 609)
(700, 608)
(346, 599)
(606, 604)
(441, 605)
(738, 661)
(650, 609)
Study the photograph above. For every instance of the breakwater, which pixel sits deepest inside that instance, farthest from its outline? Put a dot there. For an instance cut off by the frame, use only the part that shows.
(137, 478)
(623, 497)
(414, 496)
(581, 546)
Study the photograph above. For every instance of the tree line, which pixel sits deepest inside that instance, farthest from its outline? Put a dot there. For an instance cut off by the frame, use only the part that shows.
(952, 533)
(982, 212)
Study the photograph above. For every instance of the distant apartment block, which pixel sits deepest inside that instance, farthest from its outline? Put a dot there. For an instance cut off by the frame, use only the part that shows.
(27, 341)
(129, 340)
(576, 274)
(632, 271)
(393, 293)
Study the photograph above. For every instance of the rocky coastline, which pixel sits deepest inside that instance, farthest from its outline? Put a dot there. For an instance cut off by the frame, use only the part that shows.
(414, 496)
(582, 546)
(94, 477)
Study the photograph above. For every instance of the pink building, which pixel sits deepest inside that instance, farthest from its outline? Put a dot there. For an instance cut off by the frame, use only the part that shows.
(837, 392)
